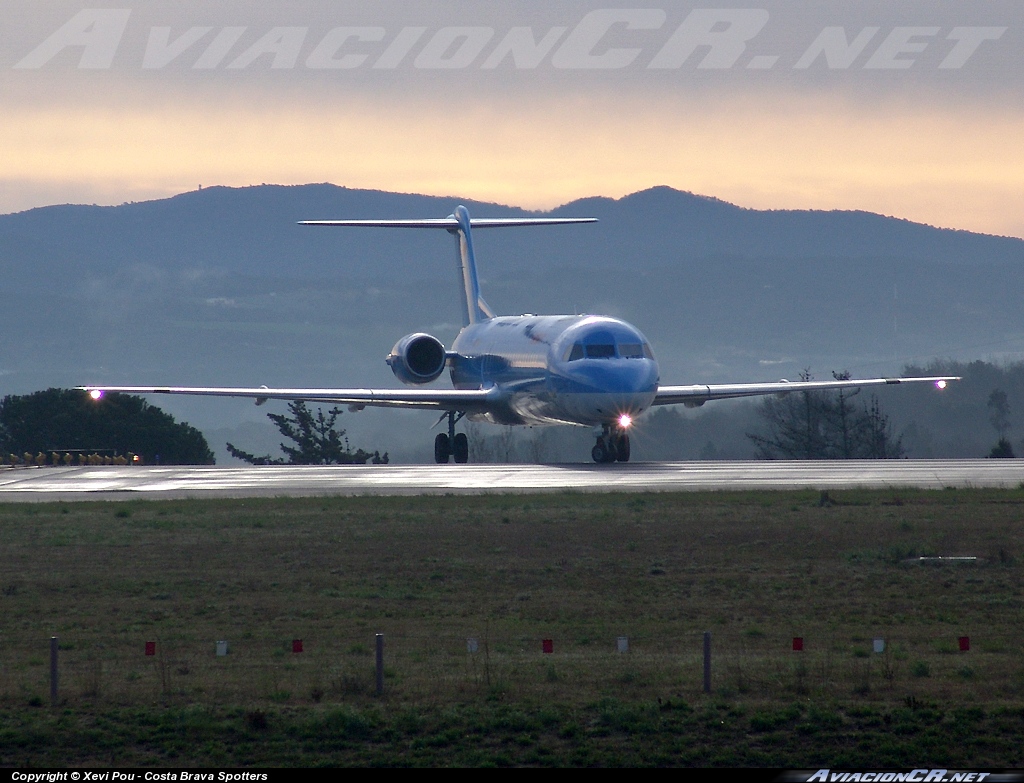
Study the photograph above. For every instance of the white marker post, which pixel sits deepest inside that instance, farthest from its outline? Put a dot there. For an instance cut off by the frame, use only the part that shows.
(53, 671)
(380, 664)
(707, 662)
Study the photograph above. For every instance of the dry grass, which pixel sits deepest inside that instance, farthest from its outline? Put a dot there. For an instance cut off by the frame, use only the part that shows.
(755, 569)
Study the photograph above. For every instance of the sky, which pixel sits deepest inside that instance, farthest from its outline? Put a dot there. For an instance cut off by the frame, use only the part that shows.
(911, 109)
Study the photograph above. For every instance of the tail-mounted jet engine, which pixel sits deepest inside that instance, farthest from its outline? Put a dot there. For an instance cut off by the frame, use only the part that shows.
(417, 358)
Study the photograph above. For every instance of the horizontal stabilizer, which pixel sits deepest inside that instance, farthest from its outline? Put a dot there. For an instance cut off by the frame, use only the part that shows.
(450, 223)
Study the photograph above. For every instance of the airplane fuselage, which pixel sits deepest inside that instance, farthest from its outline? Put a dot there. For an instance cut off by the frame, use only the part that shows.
(556, 369)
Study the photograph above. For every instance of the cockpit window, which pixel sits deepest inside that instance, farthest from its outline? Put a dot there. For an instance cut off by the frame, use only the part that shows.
(635, 351)
(631, 350)
(601, 351)
(607, 350)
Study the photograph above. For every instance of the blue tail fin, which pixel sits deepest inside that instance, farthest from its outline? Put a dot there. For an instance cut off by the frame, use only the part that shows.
(474, 308)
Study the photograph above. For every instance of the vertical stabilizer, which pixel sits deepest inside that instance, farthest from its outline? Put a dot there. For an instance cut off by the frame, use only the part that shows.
(474, 308)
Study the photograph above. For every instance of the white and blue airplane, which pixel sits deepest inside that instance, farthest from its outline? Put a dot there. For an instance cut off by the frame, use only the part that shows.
(587, 370)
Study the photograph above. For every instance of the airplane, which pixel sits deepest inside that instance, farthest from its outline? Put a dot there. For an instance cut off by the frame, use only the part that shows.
(588, 370)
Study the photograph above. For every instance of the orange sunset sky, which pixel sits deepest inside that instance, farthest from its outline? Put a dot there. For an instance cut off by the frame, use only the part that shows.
(898, 130)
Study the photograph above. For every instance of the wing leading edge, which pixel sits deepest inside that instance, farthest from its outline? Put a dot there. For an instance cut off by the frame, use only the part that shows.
(694, 396)
(428, 399)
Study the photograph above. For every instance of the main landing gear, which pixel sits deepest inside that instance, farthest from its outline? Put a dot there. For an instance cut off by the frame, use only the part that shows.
(612, 445)
(452, 444)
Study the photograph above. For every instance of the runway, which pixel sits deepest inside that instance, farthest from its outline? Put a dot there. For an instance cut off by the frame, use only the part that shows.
(156, 482)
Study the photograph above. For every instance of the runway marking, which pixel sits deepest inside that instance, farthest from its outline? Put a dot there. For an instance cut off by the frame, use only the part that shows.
(73, 483)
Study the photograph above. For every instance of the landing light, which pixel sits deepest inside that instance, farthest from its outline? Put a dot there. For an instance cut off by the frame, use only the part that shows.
(940, 384)
(96, 394)
(625, 420)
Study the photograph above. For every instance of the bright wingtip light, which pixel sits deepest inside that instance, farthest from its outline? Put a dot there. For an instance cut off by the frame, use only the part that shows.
(625, 420)
(96, 394)
(940, 384)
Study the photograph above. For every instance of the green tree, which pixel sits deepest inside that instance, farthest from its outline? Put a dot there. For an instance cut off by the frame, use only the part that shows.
(64, 420)
(999, 412)
(1002, 450)
(876, 437)
(316, 437)
(821, 424)
(999, 416)
(795, 425)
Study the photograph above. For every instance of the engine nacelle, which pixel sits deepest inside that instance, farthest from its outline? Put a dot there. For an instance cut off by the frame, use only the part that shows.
(417, 358)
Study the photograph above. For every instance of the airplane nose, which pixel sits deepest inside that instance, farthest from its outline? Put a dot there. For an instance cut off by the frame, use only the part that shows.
(641, 383)
(624, 386)
(631, 376)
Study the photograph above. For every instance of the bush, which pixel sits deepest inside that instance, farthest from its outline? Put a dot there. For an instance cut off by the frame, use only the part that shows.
(65, 420)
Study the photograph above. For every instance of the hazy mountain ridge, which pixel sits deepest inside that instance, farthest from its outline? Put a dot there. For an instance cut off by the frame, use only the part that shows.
(252, 230)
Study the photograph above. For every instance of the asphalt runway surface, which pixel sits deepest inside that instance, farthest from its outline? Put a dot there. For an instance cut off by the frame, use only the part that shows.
(156, 482)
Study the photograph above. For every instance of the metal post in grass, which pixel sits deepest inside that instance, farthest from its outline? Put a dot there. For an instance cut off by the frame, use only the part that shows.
(707, 662)
(53, 671)
(380, 664)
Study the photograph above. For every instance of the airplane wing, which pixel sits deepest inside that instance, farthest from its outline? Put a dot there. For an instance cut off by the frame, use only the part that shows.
(695, 396)
(429, 399)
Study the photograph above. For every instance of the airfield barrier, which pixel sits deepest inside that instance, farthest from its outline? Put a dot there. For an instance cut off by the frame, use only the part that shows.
(308, 668)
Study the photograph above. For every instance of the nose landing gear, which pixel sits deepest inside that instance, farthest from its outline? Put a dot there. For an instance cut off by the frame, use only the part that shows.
(612, 445)
(452, 444)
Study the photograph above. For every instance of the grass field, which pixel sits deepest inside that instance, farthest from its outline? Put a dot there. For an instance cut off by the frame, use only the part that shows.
(755, 569)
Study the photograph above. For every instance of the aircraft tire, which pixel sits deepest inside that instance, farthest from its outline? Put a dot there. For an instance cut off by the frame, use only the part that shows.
(622, 448)
(460, 448)
(601, 452)
(442, 449)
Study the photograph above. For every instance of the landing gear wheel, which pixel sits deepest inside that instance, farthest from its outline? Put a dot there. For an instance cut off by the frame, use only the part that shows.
(442, 449)
(622, 448)
(460, 448)
(602, 452)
